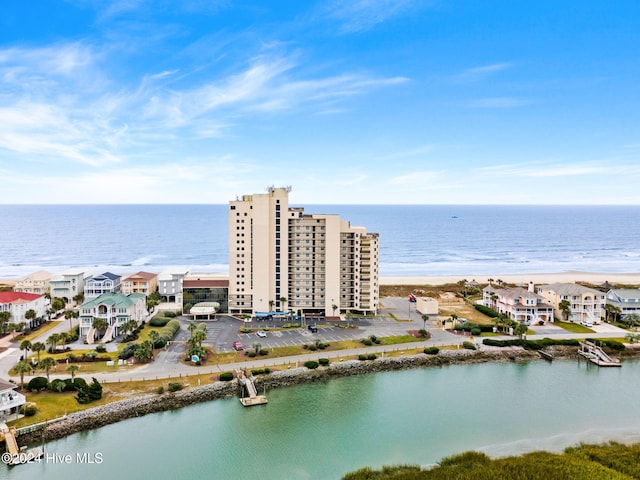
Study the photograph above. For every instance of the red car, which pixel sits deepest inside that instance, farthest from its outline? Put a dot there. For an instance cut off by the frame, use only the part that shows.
(237, 346)
(412, 297)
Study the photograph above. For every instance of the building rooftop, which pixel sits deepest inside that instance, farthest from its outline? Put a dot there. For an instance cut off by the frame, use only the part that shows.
(569, 289)
(18, 297)
(37, 276)
(141, 276)
(113, 299)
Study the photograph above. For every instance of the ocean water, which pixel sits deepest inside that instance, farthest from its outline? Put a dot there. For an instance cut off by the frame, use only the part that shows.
(415, 239)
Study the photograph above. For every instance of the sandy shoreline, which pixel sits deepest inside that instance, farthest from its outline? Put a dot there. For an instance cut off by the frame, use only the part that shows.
(570, 276)
(524, 278)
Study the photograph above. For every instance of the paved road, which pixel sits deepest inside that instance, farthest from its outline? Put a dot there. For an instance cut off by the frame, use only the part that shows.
(221, 333)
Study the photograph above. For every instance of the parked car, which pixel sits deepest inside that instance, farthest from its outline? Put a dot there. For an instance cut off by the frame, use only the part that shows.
(412, 297)
(313, 328)
(586, 323)
(237, 346)
(261, 333)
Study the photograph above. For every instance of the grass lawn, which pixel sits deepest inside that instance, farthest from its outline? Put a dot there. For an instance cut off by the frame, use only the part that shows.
(35, 334)
(573, 327)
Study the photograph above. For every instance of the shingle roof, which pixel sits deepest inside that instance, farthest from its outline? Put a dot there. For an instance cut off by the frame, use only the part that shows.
(569, 289)
(113, 299)
(142, 275)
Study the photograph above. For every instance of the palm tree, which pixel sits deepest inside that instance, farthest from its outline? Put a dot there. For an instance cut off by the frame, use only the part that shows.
(63, 338)
(69, 314)
(58, 304)
(53, 340)
(283, 302)
(26, 345)
(12, 329)
(271, 303)
(520, 329)
(38, 347)
(565, 308)
(144, 351)
(23, 367)
(31, 316)
(72, 369)
(154, 336)
(79, 298)
(256, 346)
(4, 320)
(129, 326)
(334, 307)
(611, 312)
(199, 336)
(192, 327)
(633, 320)
(47, 364)
(100, 324)
(424, 321)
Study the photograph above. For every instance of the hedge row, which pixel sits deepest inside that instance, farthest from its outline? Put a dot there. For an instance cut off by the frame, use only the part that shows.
(489, 312)
(531, 344)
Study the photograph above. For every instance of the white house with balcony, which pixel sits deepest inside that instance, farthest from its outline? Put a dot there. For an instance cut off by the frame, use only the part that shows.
(10, 400)
(170, 285)
(98, 284)
(627, 300)
(19, 303)
(67, 285)
(519, 304)
(116, 309)
(37, 282)
(587, 304)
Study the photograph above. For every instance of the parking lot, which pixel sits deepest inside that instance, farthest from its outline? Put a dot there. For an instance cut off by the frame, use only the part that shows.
(223, 331)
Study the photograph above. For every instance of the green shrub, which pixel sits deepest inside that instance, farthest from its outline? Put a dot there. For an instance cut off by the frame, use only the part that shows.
(611, 344)
(57, 385)
(159, 320)
(323, 361)
(367, 342)
(250, 353)
(362, 357)
(127, 352)
(160, 342)
(313, 348)
(323, 345)
(101, 349)
(489, 312)
(305, 346)
(170, 314)
(432, 350)
(261, 371)
(29, 410)
(90, 393)
(311, 365)
(372, 356)
(79, 383)
(160, 389)
(175, 386)
(475, 331)
(468, 345)
(37, 384)
(226, 376)
(264, 352)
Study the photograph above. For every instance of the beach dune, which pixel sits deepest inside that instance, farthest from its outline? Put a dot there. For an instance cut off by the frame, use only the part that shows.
(524, 278)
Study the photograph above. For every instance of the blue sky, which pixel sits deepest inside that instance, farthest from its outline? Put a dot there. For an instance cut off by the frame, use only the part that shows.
(348, 101)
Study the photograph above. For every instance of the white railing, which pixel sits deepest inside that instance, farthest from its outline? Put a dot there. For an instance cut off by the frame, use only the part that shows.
(17, 399)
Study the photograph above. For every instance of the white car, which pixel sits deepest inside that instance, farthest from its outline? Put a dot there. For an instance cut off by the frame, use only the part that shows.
(587, 323)
(261, 333)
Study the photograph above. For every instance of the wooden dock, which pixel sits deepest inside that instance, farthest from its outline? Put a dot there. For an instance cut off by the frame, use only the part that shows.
(546, 355)
(253, 398)
(17, 455)
(596, 355)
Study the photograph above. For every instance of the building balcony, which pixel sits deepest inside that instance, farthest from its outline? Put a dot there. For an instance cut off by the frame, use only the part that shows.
(16, 400)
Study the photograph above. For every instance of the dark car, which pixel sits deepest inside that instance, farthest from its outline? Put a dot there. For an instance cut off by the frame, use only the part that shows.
(313, 328)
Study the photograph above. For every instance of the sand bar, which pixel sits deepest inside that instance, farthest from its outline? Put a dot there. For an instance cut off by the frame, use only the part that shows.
(524, 278)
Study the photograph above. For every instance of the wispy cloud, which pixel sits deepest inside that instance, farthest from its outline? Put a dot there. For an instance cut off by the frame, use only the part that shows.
(413, 152)
(361, 15)
(499, 102)
(559, 170)
(481, 73)
(415, 178)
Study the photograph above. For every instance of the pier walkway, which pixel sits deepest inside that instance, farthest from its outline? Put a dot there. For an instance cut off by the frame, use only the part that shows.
(596, 355)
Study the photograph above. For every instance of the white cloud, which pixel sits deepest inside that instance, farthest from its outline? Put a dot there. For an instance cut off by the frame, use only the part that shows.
(361, 15)
(480, 73)
(559, 170)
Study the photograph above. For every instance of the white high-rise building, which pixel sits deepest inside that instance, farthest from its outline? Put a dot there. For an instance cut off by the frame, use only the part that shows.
(281, 259)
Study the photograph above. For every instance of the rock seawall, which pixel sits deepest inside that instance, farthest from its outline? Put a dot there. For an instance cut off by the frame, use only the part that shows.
(152, 403)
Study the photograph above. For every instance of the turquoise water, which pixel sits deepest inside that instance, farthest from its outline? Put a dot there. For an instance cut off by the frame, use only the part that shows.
(321, 431)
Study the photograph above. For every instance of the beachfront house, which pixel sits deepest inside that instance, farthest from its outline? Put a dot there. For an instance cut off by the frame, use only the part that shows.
(37, 282)
(170, 285)
(10, 401)
(142, 282)
(67, 285)
(116, 309)
(519, 304)
(98, 284)
(627, 300)
(587, 304)
(19, 303)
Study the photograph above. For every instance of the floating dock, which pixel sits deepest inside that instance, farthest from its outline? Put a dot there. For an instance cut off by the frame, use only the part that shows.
(253, 398)
(596, 355)
(546, 355)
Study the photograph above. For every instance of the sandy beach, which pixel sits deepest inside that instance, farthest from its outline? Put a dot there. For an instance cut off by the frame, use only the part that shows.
(524, 278)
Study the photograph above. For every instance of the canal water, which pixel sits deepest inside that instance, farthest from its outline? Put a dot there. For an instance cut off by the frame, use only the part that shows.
(323, 430)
